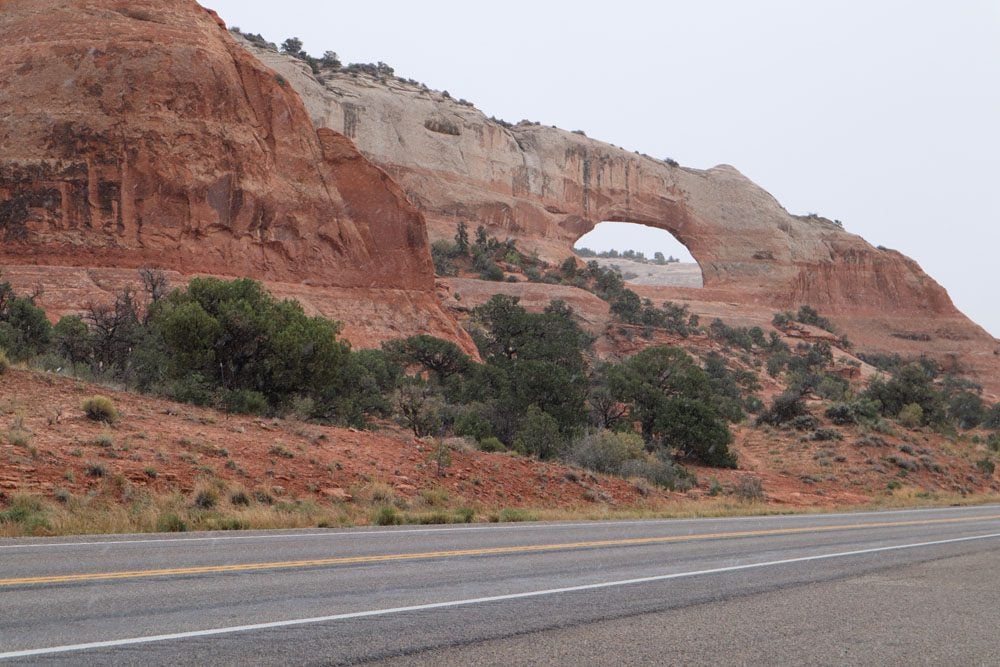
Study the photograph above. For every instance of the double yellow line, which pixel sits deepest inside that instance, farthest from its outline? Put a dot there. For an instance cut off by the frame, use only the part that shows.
(491, 551)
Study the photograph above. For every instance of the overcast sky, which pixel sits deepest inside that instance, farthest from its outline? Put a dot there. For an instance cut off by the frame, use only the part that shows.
(884, 114)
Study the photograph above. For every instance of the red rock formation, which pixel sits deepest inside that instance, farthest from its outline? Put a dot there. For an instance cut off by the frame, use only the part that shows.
(138, 132)
(546, 187)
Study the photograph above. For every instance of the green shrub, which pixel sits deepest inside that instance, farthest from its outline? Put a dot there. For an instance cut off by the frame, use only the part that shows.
(987, 466)
(387, 516)
(95, 470)
(784, 408)
(24, 330)
(605, 451)
(206, 499)
(993, 442)
(491, 444)
(694, 428)
(170, 523)
(991, 417)
(245, 402)
(28, 512)
(911, 415)
(512, 515)
(911, 384)
(4, 361)
(660, 472)
(100, 409)
(854, 412)
(492, 272)
(72, 339)
(539, 435)
(239, 498)
(803, 423)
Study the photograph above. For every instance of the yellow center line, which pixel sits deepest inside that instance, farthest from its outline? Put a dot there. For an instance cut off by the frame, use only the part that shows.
(489, 551)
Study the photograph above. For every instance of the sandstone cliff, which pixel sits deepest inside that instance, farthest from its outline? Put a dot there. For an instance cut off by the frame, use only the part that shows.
(547, 187)
(139, 132)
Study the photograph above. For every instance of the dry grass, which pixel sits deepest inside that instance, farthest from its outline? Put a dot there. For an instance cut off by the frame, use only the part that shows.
(213, 505)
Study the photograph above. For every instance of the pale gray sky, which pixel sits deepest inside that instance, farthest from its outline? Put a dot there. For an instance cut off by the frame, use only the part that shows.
(881, 113)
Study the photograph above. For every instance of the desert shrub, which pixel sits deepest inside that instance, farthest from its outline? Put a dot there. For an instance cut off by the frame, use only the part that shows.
(663, 473)
(513, 514)
(4, 361)
(471, 422)
(539, 435)
(387, 516)
(442, 253)
(743, 338)
(911, 415)
(802, 422)
(605, 451)
(750, 490)
(784, 408)
(491, 444)
(419, 407)
(72, 340)
(727, 396)
(987, 466)
(441, 357)
(991, 417)
(24, 329)
(809, 315)
(170, 523)
(854, 412)
(832, 388)
(28, 512)
(240, 339)
(100, 409)
(910, 384)
(869, 440)
(492, 272)
(694, 428)
(966, 409)
(754, 405)
(95, 470)
(206, 499)
(993, 442)
(245, 402)
(825, 435)
(239, 498)
(18, 437)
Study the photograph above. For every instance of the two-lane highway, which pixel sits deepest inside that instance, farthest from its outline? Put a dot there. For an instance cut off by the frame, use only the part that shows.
(509, 593)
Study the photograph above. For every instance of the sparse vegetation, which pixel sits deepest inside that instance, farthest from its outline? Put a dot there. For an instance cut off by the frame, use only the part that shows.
(100, 409)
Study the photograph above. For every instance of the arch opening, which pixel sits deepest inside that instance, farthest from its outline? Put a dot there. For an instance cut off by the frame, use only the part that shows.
(645, 255)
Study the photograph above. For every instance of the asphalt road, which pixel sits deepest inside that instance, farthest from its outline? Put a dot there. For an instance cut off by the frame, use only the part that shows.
(903, 587)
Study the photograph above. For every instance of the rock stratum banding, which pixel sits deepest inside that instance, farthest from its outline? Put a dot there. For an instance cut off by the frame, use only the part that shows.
(546, 187)
(140, 133)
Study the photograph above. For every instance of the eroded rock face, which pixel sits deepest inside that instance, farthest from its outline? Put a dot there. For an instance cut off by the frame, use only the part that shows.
(546, 187)
(139, 132)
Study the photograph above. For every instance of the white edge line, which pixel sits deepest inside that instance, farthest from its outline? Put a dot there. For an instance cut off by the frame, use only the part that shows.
(27, 653)
(501, 526)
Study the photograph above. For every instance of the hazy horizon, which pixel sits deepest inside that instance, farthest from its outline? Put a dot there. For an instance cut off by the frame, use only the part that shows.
(880, 114)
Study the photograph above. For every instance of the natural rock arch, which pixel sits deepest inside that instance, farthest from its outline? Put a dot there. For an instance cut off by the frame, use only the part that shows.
(623, 237)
